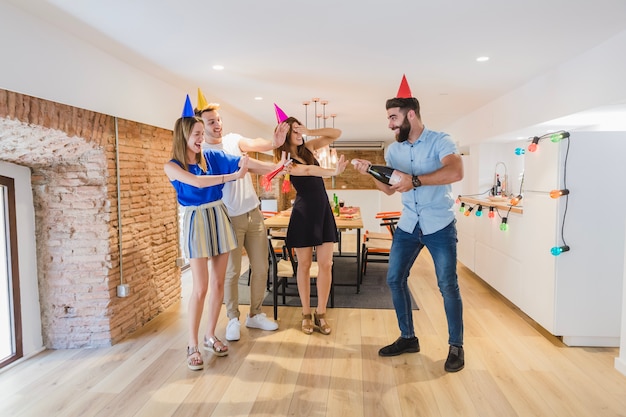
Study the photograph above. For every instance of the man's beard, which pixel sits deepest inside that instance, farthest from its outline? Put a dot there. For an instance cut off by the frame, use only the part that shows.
(403, 131)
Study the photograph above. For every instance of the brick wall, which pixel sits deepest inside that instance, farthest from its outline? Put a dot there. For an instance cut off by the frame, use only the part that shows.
(71, 153)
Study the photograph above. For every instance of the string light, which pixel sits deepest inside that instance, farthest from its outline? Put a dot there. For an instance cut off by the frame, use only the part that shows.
(558, 193)
(557, 250)
(554, 137)
(462, 208)
(533, 146)
(468, 211)
(491, 214)
(515, 200)
(479, 211)
(504, 226)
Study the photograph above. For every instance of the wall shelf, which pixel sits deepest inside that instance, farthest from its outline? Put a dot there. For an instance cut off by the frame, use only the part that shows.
(502, 205)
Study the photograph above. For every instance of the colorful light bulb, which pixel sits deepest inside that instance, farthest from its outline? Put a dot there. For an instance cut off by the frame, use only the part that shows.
(479, 211)
(468, 211)
(504, 226)
(462, 208)
(558, 193)
(515, 200)
(491, 214)
(533, 146)
(557, 250)
(458, 200)
(555, 137)
(520, 151)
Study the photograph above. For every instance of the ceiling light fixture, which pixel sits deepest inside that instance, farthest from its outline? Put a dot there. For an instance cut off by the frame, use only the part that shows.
(327, 156)
(258, 98)
(482, 59)
(218, 67)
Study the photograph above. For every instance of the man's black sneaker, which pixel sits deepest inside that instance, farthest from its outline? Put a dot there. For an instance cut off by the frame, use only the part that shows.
(456, 359)
(401, 346)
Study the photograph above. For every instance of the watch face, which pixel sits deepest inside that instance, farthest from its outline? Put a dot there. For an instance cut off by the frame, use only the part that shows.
(416, 182)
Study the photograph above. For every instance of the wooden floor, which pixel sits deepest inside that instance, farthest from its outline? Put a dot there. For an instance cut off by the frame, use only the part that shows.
(512, 369)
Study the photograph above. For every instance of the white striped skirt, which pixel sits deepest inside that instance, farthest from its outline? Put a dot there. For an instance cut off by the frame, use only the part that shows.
(207, 230)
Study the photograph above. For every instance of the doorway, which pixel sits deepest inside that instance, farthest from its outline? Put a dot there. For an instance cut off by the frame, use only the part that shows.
(10, 318)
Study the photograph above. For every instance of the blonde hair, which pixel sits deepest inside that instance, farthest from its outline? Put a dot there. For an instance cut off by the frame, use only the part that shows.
(182, 131)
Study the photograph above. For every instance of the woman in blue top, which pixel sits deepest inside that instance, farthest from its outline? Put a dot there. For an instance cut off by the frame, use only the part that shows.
(198, 178)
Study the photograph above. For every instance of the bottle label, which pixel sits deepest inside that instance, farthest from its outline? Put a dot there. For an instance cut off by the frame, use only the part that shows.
(394, 179)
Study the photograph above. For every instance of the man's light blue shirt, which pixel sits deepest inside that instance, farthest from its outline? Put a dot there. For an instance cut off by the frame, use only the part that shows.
(428, 205)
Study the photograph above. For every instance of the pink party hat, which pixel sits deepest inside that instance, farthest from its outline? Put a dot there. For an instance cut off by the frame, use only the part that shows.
(280, 115)
(404, 91)
(188, 110)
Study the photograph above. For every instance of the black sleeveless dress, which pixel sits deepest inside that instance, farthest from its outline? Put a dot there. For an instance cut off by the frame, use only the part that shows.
(312, 222)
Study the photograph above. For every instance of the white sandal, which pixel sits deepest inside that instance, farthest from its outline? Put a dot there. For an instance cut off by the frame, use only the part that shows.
(210, 345)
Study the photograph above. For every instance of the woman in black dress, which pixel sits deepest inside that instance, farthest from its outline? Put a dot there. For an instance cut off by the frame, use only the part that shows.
(312, 224)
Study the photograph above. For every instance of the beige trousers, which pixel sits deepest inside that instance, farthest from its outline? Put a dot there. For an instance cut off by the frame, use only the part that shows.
(252, 235)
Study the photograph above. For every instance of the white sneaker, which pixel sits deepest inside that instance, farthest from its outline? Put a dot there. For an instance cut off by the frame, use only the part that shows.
(260, 321)
(232, 330)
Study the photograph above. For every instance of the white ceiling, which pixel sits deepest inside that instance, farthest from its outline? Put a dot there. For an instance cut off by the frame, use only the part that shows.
(350, 52)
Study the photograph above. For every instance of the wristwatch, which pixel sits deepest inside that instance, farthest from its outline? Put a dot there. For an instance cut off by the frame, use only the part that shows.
(416, 182)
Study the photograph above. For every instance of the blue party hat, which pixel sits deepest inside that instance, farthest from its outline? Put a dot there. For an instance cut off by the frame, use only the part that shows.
(188, 109)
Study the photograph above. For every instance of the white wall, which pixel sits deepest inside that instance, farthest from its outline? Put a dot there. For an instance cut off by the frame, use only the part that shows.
(32, 341)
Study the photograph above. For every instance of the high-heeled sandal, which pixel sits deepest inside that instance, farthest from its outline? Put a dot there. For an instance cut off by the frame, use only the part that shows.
(307, 324)
(322, 326)
(194, 358)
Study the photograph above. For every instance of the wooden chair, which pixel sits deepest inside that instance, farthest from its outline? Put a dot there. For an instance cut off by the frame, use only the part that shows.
(378, 244)
(283, 270)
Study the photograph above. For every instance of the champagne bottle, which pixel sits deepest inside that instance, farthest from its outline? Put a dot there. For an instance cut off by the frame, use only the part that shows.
(383, 173)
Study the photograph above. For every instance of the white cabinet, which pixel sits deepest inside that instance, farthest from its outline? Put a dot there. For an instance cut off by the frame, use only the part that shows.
(577, 295)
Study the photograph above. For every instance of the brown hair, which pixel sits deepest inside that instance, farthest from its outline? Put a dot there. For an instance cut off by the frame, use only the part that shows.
(404, 104)
(208, 107)
(303, 153)
(182, 131)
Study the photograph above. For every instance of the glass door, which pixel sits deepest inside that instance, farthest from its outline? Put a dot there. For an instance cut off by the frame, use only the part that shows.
(10, 319)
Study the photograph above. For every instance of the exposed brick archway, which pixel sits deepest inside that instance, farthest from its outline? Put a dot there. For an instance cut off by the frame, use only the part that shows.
(72, 155)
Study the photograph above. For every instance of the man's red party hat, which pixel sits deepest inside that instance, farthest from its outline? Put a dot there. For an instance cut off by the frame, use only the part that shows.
(404, 91)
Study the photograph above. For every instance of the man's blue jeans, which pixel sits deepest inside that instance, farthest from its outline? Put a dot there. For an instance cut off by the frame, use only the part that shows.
(442, 247)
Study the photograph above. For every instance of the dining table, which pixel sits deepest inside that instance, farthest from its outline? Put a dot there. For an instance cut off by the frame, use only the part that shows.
(349, 218)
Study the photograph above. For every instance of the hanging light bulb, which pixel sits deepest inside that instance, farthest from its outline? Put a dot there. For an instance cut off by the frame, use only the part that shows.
(558, 193)
(479, 211)
(533, 146)
(458, 199)
(515, 200)
(555, 137)
(491, 214)
(462, 208)
(504, 226)
(468, 211)
(520, 151)
(557, 250)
